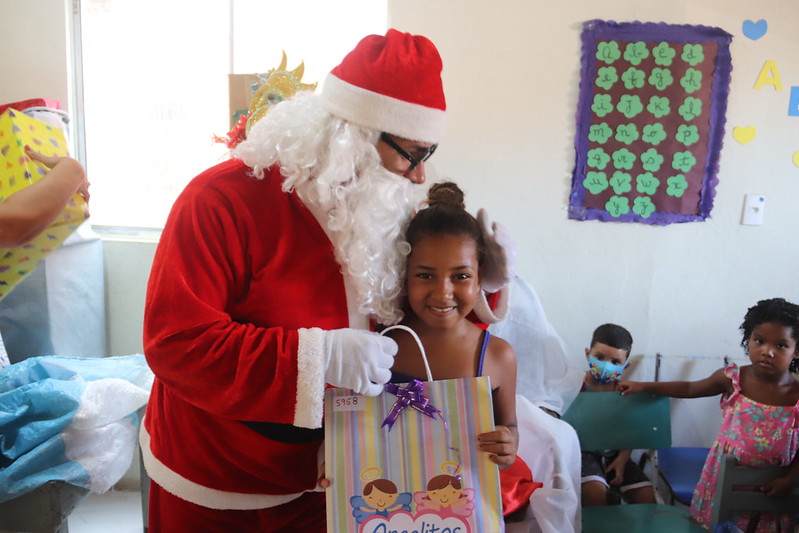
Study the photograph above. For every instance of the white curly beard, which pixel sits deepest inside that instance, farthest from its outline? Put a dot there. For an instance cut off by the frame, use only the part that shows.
(335, 169)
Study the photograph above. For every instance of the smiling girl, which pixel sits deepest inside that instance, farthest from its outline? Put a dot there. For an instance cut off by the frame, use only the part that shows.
(442, 284)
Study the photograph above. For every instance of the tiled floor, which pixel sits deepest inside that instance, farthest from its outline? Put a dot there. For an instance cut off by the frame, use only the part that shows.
(117, 511)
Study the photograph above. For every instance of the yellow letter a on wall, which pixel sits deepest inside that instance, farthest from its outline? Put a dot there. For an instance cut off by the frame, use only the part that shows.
(769, 75)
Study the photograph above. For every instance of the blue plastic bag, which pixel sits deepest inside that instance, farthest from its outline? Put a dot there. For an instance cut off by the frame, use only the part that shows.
(69, 419)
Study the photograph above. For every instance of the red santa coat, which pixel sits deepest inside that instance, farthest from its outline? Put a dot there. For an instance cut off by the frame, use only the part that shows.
(243, 281)
(241, 269)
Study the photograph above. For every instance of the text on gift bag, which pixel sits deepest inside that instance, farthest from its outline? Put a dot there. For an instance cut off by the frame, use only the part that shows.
(407, 460)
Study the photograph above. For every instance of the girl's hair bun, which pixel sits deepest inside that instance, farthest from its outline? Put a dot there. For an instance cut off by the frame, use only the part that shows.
(446, 193)
(445, 215)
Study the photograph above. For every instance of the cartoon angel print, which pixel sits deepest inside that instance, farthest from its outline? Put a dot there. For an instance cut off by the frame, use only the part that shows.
(380, 497)
(446, 497)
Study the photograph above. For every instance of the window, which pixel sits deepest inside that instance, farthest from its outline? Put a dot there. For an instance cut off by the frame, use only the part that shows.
(155, 85)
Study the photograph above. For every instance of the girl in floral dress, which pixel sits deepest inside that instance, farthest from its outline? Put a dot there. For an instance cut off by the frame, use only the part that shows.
(759, 405)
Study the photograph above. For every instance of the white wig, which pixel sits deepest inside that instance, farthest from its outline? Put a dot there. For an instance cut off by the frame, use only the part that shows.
(336, 170)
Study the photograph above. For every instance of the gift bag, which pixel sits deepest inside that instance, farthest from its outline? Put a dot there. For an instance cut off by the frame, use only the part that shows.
(18, 171)
(407, 460)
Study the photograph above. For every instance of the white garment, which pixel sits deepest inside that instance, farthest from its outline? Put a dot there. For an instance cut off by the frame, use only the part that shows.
(549, 374)
(551, 449)
(60, 307)
(3, 355)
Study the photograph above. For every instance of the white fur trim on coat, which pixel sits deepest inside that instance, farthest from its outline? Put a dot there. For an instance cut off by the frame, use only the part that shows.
(188, 490)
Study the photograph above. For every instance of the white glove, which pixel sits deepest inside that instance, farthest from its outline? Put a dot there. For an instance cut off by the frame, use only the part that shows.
(499, 264)
(358, 360)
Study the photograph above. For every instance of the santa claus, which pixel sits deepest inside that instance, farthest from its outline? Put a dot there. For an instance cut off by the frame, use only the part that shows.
(270, 270)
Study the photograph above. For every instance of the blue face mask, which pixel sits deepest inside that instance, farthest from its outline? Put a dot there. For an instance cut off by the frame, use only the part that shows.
(604, 371)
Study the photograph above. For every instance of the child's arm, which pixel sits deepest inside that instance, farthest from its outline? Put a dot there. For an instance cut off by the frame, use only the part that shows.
(716, 383)
(617, 466)
(783, 486)
(28, 212)
(503, 442)
(322, 481)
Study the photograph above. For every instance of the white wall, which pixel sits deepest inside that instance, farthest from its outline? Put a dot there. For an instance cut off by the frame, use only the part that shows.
(33, 39)
(511, 77)
(127, 269)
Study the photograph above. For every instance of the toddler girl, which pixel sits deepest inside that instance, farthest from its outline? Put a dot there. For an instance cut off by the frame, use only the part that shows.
(759, 405)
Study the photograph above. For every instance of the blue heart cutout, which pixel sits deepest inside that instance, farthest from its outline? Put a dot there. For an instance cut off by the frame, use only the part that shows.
(755, 30)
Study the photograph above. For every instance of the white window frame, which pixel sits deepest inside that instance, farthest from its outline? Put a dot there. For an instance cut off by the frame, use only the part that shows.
(77, 89)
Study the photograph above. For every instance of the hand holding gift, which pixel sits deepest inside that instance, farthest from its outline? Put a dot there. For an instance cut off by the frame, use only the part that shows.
(64, 169)
(501, 444)
(358, 360)
(28, 212)
(43, 195)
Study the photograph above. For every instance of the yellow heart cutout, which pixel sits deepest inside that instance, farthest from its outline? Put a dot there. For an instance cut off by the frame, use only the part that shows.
(796, 158)
(744, 134)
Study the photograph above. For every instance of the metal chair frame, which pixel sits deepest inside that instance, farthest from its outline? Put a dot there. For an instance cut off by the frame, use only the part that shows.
(680, 466)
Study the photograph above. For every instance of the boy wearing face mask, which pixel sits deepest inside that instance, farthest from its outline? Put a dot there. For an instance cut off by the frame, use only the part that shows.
(607, 476)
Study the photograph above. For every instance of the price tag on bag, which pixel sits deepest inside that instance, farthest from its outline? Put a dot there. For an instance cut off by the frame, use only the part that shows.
(351, 402)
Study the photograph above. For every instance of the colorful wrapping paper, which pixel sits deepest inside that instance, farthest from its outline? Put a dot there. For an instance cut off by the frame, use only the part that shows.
(360, 449)
(18, 171)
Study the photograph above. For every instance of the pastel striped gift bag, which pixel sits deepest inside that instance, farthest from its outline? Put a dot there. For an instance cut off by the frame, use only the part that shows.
(407, 460)
(18, 171)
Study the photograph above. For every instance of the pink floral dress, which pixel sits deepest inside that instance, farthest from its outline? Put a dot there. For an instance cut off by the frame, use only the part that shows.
(757, 435)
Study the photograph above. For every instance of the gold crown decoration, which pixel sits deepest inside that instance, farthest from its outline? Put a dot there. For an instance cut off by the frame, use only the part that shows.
(276, 85)
(279, 84)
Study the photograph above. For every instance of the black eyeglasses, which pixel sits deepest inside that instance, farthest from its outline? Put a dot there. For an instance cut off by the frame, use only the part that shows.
(401, 151)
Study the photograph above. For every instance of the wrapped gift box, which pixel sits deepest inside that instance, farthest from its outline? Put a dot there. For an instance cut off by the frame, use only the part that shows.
(18, 171)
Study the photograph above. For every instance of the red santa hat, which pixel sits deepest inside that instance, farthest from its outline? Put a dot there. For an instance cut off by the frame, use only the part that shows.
(391, 83)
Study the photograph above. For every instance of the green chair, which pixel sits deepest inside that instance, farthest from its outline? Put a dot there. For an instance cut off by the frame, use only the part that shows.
(610, 421)
(738, 489)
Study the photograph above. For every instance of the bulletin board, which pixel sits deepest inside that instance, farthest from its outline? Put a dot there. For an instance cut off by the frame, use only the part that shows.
(650, 122)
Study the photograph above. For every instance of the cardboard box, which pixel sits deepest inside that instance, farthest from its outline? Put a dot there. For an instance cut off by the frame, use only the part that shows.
(241, 87)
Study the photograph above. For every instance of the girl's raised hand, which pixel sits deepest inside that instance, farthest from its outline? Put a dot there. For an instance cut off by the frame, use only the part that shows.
(501, 444)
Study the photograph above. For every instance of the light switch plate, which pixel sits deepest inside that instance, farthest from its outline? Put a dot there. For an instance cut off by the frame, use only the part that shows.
(754, 207)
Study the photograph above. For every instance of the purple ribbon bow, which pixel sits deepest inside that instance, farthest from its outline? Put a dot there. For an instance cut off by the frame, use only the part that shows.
(410, 396)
